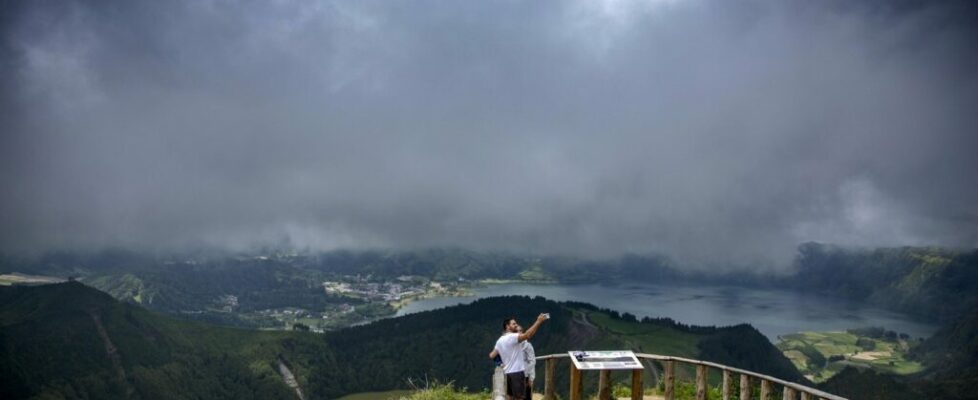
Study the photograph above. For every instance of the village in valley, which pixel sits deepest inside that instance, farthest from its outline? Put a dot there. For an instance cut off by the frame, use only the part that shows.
(369, 299)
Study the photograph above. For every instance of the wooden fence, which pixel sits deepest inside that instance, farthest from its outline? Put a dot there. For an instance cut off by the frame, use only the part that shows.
(768, 384)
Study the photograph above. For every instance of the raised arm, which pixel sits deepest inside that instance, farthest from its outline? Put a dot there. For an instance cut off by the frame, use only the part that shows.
(533, 329)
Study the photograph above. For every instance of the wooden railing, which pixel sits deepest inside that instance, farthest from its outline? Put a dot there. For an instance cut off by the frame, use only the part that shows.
(789, 390)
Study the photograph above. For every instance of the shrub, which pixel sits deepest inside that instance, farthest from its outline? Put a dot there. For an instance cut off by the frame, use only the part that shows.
(685, 390)
(438, 391)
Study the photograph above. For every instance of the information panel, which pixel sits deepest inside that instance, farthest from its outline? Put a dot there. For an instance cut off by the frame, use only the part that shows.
(598, 360)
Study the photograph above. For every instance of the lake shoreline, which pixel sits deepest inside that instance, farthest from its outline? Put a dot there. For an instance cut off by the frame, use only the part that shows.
(774, 312)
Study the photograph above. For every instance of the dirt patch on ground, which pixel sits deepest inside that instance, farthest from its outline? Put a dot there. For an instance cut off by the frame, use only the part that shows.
(870, 355)
(582, 331)
(110, 350)
(17, 278)
(539, 396)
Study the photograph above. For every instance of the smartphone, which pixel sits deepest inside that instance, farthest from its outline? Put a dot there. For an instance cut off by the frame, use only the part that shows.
(546, 315)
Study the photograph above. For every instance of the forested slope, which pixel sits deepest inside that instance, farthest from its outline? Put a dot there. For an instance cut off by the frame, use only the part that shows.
(931, 283)
(953, 354)
(69, 340)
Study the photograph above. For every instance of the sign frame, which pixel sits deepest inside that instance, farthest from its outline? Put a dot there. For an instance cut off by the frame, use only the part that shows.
(605, 360)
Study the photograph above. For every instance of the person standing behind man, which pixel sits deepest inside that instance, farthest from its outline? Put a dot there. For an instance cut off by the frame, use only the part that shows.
(530, 359)
(510, 349)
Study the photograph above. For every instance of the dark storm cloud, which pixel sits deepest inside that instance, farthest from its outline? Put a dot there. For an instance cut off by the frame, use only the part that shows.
(715, 132)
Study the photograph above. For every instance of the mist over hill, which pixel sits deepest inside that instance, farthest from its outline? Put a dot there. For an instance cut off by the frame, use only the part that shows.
(933, 284)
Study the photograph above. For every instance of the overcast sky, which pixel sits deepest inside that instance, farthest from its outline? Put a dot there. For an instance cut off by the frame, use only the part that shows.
(715, 132)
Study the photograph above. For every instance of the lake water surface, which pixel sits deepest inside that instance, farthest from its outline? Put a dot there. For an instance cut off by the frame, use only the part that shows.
(773, 312)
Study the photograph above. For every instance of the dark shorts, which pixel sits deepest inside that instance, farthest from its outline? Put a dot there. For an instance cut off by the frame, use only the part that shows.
(516, 385)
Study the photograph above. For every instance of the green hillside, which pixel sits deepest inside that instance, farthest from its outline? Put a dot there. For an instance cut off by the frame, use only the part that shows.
(68, 340)
(863, 384)
(950, 358)
(71, 341)
(930, 283)
(953, 353)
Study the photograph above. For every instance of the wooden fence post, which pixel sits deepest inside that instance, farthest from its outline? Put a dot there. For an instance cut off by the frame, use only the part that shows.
(701, 393)
(765, 389)
(604, 385)
(744, 387)
(548, 390)
(576, 385)
(726, 385)
(669, 390)
(636, 384)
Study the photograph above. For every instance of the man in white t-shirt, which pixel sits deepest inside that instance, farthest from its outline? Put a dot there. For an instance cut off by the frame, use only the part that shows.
(509, 347)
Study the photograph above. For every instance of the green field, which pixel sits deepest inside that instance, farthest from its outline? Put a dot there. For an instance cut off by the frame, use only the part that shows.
(810, 352)
(648, 338)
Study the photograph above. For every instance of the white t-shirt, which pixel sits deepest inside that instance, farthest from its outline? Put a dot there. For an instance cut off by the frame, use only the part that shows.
(511, 352)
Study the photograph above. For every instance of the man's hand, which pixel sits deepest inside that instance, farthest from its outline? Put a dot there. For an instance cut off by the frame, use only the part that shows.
(533, 329)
